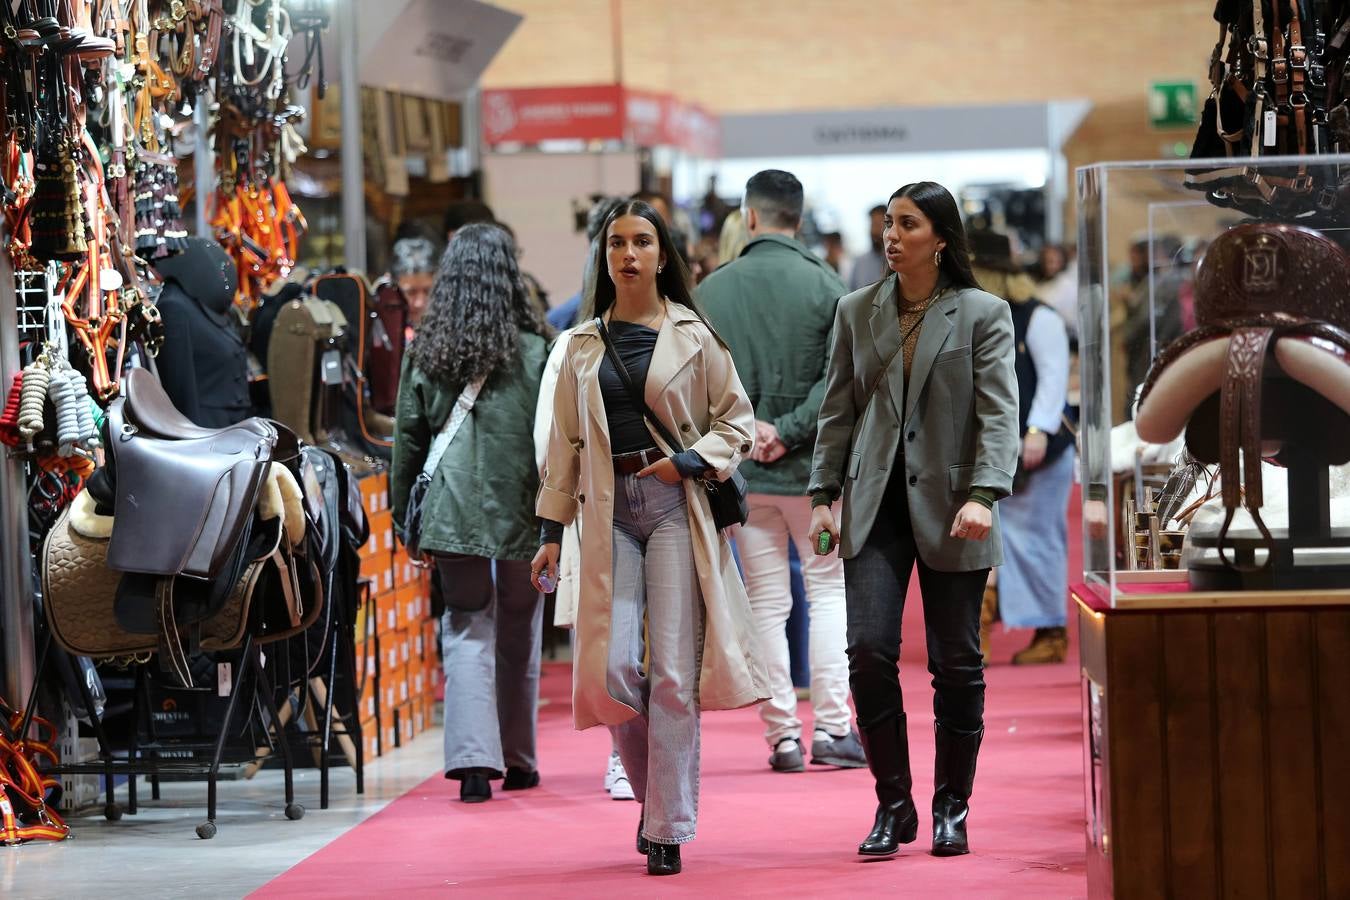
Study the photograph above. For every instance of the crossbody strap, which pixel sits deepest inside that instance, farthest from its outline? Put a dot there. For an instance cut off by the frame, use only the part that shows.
(673, 445)
(463, 406)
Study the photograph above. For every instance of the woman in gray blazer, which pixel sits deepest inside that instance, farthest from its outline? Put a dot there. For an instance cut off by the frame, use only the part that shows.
(918, 433)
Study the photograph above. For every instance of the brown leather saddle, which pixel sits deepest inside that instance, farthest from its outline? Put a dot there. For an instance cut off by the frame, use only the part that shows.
(1269, 362)
(185, 506)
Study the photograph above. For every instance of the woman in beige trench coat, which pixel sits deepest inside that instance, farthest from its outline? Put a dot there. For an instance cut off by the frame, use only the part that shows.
(663, 625)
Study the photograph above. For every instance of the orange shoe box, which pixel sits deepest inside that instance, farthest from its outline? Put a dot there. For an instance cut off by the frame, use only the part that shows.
(419, 681)
(407, 726)
(404, 570)
(393, 690)
(381, 535)
(412, 606)
(419, 717)
(389, 733)
(430, 652)
(375, 493)
(406, 657)
(368, 702)
(391, 652)
(386, 612)
(379, 569)
(370, 739)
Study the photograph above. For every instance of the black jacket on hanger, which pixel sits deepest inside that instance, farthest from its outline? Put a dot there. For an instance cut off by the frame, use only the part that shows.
(204, 361)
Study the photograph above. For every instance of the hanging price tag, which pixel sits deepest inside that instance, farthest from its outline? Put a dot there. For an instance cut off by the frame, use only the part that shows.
(1269, 128)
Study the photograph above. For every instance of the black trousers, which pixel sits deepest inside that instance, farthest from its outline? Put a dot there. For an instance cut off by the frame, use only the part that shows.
(876, 581)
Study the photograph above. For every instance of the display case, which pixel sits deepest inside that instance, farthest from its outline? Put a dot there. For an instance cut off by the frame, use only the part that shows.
(1211, 683)
(1157, 519)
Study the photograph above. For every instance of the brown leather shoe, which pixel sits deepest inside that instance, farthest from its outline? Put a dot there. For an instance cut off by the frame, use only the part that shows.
(988, 616)
(1050, 645)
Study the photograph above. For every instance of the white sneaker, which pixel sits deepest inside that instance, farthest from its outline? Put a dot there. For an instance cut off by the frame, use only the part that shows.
(623, 789)
(615, 768)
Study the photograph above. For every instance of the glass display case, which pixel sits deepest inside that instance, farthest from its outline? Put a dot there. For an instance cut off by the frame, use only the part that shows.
(1256, 380)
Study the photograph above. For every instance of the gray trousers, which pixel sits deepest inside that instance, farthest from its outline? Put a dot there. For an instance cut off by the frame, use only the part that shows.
(654, 576)
(490, 644)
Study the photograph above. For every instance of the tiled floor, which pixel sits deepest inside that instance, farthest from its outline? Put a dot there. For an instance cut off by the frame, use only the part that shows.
(156, 854)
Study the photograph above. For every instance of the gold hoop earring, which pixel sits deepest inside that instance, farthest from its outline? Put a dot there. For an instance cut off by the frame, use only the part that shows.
(937, 259)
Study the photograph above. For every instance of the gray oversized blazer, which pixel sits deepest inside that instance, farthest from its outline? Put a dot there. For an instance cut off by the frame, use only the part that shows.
(959, 425)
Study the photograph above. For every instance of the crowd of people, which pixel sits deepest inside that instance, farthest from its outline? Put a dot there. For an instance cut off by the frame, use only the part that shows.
(908, 410)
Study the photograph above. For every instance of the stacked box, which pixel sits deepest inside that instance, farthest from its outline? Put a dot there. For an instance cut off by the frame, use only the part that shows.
(370, 739)
(399, 650)
(407, 729)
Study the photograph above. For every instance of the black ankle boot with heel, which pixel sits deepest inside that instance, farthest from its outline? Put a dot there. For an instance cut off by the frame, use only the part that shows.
(886, 746)
(663, 859)
(953, 781)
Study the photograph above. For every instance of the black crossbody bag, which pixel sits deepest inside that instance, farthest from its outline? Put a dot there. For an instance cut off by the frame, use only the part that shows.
(727, 498)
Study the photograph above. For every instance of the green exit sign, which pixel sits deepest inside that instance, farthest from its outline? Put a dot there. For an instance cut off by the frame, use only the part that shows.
(1172, 104)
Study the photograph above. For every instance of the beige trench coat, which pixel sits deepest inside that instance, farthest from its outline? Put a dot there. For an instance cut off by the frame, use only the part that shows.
(693, 388)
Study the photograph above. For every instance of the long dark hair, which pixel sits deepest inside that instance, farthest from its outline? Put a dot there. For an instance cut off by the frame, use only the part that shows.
(479, 304)
(672, 282)
(937, 203)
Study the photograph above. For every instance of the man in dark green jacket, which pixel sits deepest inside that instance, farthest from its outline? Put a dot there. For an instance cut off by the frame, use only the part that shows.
(774, 306)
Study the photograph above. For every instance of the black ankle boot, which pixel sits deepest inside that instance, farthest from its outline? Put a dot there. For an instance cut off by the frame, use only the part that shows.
(663, 859)
(474, 787)
(953, 781)
(642, 843)
(887, 749)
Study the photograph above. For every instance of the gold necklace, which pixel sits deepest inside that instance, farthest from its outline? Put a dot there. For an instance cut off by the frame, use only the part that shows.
(920, 310)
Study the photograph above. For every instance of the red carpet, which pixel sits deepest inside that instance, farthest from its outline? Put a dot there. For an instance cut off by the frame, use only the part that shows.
(760, 833)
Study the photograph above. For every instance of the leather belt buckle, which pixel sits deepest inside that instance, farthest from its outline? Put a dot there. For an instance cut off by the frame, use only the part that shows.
(1279, 70)
(1298, 56)
(1259, 47)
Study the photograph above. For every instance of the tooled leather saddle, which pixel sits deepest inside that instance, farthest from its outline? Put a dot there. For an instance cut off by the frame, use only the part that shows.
(1278, 296)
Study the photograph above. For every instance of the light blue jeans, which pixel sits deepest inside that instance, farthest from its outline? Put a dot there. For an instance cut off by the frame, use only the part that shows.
(490, 641)
(654, 577)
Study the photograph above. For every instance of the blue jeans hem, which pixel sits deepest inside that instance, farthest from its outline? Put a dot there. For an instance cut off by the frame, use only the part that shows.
(668, 841)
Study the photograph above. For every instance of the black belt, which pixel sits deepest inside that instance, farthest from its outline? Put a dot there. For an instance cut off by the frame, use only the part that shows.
(632, 463)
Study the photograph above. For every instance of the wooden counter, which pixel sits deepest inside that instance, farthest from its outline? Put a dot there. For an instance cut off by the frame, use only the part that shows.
(1217, 744)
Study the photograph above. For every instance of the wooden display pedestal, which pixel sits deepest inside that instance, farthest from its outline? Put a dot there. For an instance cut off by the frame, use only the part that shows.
(1216, 743)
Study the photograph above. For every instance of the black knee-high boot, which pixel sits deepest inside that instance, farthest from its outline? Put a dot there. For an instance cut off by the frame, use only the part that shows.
(887, 748)
(953, 781)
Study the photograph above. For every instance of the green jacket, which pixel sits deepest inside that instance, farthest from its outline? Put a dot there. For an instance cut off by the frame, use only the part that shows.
(481, 499)
(774, 306)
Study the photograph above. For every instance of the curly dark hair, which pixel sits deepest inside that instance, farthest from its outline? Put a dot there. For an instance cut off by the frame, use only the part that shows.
(478, 305)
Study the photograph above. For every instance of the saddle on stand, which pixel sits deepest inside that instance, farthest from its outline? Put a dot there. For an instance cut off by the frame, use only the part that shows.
(1266, 374)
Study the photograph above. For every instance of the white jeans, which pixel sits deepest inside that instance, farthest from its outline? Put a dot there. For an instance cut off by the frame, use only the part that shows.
(762, 543)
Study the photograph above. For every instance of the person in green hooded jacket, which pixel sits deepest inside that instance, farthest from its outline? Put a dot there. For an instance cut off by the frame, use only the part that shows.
(478, 523)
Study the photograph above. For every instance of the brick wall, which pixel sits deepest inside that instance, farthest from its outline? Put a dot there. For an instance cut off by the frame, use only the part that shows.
(763, 55)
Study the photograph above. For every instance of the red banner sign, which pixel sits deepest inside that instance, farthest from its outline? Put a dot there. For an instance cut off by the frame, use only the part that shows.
(531, 115)
(598, 113)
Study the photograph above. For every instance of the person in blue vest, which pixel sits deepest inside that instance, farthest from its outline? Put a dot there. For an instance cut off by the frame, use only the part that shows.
(1032, 586)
